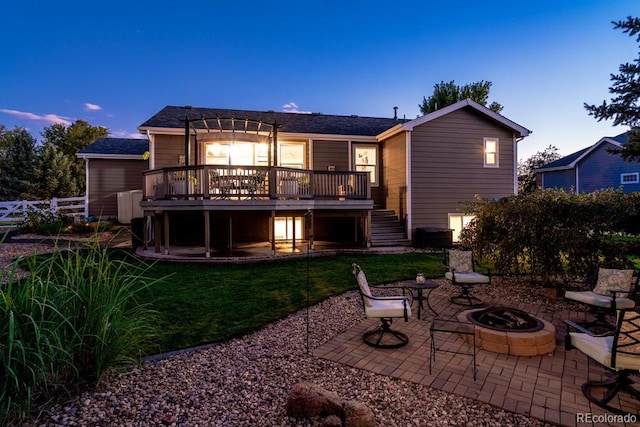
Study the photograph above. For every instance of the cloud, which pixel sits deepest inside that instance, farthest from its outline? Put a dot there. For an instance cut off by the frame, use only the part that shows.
(125, 134)
(47, 118)
(92, 107)
(292, 107)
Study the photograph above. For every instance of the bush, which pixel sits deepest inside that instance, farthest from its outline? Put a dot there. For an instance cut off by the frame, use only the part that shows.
(75, 316)
(553, 234)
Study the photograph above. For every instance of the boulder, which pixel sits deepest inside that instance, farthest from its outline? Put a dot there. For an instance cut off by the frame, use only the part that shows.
(308, 400)
(357, 414)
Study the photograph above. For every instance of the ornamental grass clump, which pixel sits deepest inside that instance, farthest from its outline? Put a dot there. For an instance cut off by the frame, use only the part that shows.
(73, 317)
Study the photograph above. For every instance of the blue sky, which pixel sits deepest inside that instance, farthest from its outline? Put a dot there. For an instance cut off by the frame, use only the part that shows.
(117, 63)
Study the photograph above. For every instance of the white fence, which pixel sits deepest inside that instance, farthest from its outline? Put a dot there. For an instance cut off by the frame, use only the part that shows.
(15, 212)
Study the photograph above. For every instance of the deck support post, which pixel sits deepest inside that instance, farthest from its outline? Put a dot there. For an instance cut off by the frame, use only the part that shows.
(293, 237)
(230, 242)
(166, 232)
(157, 235)
(273, 233)
(207, 235)
(367, 228)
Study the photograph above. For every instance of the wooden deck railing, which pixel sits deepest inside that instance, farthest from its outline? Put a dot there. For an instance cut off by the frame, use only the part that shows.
(253, 182)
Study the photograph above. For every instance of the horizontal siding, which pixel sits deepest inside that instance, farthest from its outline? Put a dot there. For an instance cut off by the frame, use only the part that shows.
(168, 149)
(600, 170)
(562, 179)
(331, 153)
(107, 178)
(447, 168)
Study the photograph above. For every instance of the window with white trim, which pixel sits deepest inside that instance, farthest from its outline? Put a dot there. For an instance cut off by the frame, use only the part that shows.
(630, 178)
(457, 222)
(365, 159)
(490, 146)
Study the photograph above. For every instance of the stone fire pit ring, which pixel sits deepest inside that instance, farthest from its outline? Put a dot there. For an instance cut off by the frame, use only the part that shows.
(511, 342)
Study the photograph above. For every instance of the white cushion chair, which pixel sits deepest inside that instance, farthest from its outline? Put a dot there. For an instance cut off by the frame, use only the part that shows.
(460, 271)
(618, 351)
(611, 292)
(386, 308)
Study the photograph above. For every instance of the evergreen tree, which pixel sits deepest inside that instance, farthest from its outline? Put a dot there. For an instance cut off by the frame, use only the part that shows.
(17, 162)
(70, 140)
(624, 107)
(445, 94)
(51, 176)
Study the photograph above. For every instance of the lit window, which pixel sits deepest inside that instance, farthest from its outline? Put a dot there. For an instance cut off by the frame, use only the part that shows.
(630, 178)
(365, 159)
(491, 152)
(284, 228)
(457, 222)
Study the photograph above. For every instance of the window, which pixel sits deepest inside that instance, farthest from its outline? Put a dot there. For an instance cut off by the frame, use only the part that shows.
(491, 152)
(630, 178)
(457, 222)
(291, 155)
(365, 159)
(284, 227)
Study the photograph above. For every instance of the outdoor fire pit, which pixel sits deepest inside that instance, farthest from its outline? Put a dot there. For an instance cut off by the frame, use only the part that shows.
(511, 331)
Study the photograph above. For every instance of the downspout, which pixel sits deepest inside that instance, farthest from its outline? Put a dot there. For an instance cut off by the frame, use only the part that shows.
(152, 150)
(409, 200)
(86, 187)
(515, 163)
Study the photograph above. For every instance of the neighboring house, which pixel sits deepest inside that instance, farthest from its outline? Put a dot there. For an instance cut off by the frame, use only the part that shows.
(592, 169)
(220, 177)
(112, 165)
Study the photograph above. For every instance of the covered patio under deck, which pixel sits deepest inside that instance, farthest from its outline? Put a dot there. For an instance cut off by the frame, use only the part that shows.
(197, 227)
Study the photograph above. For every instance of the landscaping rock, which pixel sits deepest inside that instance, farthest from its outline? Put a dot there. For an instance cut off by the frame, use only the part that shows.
(308, 400)
(357, 414)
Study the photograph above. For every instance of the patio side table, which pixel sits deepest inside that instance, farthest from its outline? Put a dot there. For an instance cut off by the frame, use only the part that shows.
(451, 327)
(427, 285)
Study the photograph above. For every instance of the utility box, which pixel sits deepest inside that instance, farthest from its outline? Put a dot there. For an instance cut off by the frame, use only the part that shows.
(129, 206)
(433, 237)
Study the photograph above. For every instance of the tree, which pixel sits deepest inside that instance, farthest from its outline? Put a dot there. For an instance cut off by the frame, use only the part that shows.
(70, 140)
(526, 170)
(51, 175)
(624, 107)
(445, 94)
(17, 161)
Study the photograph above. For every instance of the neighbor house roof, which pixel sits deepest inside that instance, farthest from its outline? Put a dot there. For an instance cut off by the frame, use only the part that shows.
(172, 117)
(128, 148)
(570, 161)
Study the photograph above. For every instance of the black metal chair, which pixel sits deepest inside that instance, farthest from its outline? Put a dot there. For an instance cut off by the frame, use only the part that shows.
(386, 308)
(613, 290)
(618, 351)
(460, 271)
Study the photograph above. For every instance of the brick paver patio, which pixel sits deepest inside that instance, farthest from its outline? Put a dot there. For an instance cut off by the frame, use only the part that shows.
(545, 387)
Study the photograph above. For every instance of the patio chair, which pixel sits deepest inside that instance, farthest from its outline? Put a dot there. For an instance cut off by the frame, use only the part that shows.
(612, 291)
(460, 265)
(385, 308)
(618, 351)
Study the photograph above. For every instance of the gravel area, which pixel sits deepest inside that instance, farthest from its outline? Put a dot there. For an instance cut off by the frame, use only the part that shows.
(245, 382)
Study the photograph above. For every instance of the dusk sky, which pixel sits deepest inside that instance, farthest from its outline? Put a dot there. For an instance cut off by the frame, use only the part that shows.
(117, 63)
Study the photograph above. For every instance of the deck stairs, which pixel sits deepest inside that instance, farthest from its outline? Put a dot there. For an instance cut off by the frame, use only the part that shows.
(387, 229)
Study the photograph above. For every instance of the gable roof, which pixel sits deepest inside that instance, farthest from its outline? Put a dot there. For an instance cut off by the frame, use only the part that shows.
(172, 117)
(130, 148)
(570, 161)
(465, 103)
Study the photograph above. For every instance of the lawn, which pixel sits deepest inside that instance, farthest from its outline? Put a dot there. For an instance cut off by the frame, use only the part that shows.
(202, 303)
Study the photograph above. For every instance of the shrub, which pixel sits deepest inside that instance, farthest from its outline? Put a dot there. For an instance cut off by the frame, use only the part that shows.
(552, 234)
(73, 317)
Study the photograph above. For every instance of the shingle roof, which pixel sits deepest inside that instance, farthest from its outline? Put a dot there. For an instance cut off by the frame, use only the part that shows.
(564, 161)
(567, 161)
(173, 117)
(120, 146)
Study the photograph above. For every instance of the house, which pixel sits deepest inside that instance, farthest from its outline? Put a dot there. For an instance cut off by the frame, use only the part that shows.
(592, 169)
(112, 165)
(221, 178)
